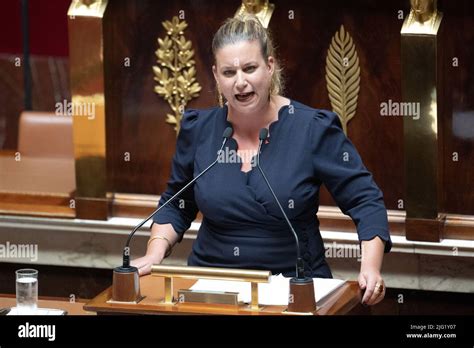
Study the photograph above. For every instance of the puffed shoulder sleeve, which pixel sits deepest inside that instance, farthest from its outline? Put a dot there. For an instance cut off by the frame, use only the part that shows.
(182, 212)
(338, 165)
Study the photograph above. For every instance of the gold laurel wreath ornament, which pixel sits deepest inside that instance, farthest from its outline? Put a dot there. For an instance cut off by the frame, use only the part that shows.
(176, 73)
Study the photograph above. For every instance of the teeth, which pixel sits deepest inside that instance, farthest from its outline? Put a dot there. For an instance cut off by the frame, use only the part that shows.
(243, 95)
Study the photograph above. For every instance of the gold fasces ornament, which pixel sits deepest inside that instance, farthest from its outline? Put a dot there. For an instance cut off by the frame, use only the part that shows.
(424, 18)
(343, 76)
(176, 73)
(420, 60)
(87, 8)
(262, 9)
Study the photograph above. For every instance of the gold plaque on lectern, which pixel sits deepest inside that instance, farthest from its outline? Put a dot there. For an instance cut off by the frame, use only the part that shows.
(210, 297)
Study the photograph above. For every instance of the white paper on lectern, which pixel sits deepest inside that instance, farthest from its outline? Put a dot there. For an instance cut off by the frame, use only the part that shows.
(38, 311)
(275, 292)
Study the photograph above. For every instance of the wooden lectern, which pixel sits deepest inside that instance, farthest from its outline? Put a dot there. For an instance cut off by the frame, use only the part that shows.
(344, 300)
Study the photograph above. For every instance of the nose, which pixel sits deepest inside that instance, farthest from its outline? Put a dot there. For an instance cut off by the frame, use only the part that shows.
(240, 83)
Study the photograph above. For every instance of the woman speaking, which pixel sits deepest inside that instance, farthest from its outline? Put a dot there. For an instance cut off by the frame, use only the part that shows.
(242, 225)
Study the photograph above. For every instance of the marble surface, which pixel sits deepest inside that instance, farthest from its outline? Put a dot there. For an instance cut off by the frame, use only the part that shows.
(446, 266)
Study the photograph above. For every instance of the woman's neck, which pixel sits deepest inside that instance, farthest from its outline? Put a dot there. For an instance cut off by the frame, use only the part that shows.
(248, 125)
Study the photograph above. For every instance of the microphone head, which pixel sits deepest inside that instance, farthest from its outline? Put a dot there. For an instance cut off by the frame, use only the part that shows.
(228, 132)
(263, 134)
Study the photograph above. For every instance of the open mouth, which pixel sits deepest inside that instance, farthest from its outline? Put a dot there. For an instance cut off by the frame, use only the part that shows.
(243, 97)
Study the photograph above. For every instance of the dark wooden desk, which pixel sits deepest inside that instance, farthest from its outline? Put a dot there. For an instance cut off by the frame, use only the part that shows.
(345, 300)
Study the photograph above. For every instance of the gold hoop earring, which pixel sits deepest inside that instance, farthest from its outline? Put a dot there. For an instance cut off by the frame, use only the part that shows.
(221, 99)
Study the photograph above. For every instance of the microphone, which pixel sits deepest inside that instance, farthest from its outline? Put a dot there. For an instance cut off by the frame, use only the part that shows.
(299, 261)
(301, 287)
(126, 280)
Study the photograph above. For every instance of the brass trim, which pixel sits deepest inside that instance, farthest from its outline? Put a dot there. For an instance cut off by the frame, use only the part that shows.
(244, 275)
(87, 106)
(169, 290)
(343, 76)
(140, 299)
(287, 312)
(190, 272)
(254, 302)
(175, 73)
(419, 59)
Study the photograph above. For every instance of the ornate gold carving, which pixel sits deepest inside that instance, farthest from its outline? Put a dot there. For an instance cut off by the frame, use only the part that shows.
(176, 74)
(424, 18)
(343, 76)
(262, 9)
(87, 8)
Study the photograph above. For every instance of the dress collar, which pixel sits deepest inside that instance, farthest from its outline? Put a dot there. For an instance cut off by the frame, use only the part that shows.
(282, 112)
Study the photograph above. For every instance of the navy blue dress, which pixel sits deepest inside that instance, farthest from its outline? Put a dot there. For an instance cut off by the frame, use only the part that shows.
(242, 226)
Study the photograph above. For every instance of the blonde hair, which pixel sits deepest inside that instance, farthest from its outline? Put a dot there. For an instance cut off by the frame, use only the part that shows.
(248, 28)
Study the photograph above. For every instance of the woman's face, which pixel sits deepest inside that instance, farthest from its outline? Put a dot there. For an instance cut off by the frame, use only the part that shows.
(243, 76)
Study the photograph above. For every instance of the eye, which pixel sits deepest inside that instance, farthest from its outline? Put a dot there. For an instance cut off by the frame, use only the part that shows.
(250, 69)
(228, 73)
